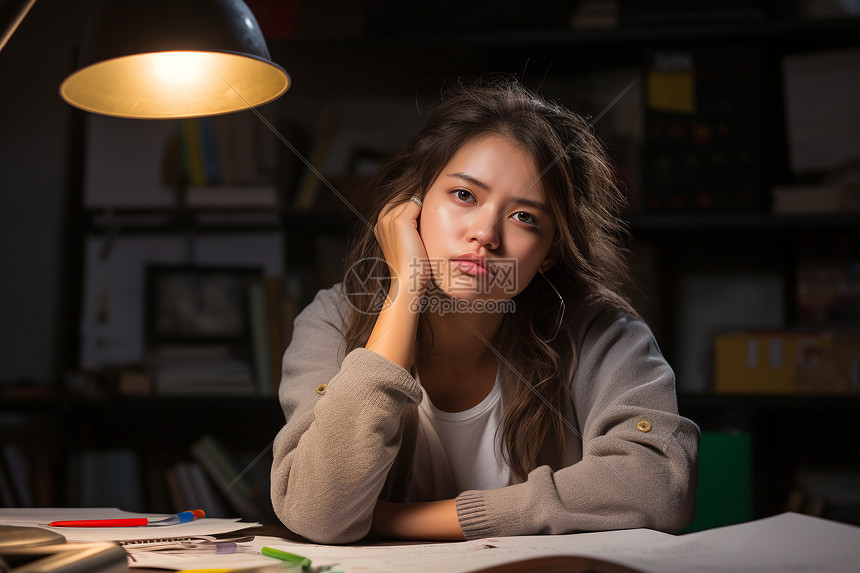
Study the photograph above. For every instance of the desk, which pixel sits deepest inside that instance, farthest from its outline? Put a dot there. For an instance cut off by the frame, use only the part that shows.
(780, 543)
(786, 542)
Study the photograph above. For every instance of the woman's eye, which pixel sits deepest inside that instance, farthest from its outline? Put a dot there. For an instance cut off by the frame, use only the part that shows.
(526, 218)
(464, 195)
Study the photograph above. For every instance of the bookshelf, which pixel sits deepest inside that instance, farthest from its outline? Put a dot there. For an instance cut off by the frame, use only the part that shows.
(397, 65)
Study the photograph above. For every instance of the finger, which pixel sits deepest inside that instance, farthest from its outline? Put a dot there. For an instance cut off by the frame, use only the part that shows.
(410, 207)
(400, 201)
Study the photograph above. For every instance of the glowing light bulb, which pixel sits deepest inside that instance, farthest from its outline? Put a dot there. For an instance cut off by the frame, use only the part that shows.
(181, 68)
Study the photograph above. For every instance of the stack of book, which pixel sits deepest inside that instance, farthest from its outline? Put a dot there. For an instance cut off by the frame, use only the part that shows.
(194, 370)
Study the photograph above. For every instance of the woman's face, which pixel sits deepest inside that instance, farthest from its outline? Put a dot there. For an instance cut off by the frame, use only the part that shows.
(485, 223)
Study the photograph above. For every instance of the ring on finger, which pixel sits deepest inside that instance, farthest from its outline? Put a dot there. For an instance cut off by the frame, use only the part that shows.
(415, 199)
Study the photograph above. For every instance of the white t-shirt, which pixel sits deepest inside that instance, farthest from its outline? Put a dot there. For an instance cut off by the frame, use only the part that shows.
(457, 451)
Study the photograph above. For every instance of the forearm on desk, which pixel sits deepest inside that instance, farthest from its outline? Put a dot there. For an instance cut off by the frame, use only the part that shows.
(431, 520)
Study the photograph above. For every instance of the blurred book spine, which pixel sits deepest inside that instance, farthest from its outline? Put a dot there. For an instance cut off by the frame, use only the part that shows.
(227, 476)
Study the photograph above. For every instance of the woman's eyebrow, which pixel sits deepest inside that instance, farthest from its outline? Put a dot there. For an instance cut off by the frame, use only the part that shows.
(469, 179)
(519, 200)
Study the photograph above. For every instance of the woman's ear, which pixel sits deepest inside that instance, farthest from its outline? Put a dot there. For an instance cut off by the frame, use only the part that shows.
(549, 261)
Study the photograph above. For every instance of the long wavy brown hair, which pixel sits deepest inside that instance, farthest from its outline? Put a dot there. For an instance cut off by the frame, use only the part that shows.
(579, 183)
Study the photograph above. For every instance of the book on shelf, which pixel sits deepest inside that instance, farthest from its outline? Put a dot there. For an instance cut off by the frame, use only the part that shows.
(174, 489)
(192, 151)
(208, 498)
(209, 150)
(182, 491)
(232, 195)
(15, 490)
(231, 377)
(310, 183)
(268, 316)
(277, 316)
(105, 478)
(235, 136)
(194, 369)
(260, 313)
(226, 475)
(18, 474)
(189, 486)
(7, 492)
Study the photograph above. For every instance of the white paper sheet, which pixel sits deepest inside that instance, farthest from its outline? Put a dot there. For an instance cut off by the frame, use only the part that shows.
(246, 555)
(40, 517)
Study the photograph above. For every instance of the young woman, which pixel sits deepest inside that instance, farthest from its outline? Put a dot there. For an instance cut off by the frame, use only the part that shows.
(478, 372)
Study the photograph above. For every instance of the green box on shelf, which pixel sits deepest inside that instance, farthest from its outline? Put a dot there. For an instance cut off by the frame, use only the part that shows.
(724, 494)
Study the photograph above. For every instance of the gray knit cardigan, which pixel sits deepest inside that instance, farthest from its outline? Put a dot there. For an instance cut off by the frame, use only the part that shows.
(351, 423)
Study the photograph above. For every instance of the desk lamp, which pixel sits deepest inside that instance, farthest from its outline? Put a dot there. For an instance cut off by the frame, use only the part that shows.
(173, 59)
(166, 58)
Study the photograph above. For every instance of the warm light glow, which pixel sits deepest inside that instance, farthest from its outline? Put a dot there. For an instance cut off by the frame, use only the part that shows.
(179, 68)
(175, 84)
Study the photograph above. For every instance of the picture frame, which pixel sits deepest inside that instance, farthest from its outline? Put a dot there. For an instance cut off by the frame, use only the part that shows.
(198, 305)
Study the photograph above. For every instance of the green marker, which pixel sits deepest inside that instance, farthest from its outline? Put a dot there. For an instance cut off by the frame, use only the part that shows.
(304, 562)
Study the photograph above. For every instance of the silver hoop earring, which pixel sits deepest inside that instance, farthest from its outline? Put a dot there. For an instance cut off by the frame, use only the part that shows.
(561, 308)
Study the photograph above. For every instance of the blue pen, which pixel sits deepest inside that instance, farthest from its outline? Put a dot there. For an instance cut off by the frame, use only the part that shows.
(287, 557)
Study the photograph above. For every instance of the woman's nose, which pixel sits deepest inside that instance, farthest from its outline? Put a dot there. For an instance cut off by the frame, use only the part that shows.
(485, 229)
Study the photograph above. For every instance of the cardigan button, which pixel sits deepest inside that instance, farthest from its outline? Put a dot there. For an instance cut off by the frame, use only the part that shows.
(321, 389)
(644, 426)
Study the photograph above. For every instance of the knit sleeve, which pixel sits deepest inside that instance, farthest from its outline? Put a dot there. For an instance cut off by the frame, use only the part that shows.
(639, 457)
(342, 430)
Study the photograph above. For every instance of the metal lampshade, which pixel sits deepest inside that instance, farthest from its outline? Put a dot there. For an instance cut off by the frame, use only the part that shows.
(172, 59)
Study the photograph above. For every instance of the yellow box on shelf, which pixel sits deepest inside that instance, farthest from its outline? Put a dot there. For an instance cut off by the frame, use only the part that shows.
(786, 361)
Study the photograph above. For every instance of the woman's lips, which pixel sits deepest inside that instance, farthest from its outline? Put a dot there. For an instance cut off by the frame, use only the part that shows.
(471, 266)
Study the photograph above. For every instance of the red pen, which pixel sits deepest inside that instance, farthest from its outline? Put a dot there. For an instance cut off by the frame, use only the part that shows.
(181, 517)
